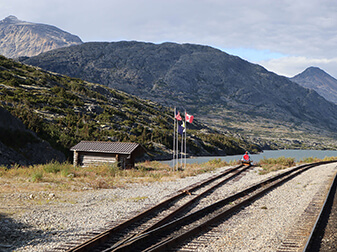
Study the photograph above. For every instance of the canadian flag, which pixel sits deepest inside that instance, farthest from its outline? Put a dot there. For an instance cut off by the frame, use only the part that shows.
(189, 118)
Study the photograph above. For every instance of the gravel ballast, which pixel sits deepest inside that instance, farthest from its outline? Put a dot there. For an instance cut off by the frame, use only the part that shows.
(64, 218)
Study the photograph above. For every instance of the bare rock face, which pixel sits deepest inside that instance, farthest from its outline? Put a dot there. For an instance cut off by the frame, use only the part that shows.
(318, 80)
(21, 146)
(19, 38)
(206, 81)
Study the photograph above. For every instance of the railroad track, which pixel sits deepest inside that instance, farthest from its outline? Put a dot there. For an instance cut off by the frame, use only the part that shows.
(172, 236)
(306, 234)
(314, 241)
(179, 226)
(157, 215)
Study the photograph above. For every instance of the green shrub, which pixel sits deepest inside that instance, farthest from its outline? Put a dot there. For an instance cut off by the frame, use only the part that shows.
(329, 158)
(66, 172)
(3, 170)
(113, 169)
(309, 160)
(37, 176)
(217, 162)
(280, 160)
(53, 167)
(274, 164)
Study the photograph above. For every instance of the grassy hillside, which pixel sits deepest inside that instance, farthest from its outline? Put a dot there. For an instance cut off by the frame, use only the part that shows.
(64, 111)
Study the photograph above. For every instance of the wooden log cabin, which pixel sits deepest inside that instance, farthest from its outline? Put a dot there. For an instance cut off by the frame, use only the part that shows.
(89, 152)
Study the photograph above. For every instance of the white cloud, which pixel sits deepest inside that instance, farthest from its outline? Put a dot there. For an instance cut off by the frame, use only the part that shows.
(303, 30)
(291, 66)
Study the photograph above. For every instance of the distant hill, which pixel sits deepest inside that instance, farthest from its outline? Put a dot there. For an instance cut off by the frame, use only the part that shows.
(64, 111)
(318, 80)
(221, 89)
(21, 38)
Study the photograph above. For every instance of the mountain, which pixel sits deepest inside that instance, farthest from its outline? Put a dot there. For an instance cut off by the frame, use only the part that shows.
(63, 111)
(220, 89)
(22, 146)
(20, 38)
(318, 80)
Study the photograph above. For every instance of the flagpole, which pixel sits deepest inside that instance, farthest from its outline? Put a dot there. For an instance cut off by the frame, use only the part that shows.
(174, 138)
(189, 119)
(185, 138)
(177, 148)
(182, 150)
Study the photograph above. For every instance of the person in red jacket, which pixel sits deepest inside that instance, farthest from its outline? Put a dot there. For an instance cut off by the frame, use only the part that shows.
(246, 158)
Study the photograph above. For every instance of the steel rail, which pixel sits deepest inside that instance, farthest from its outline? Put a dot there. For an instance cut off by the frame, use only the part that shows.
(179, 210)
(328, 198)
(172, 241)
(106, 235)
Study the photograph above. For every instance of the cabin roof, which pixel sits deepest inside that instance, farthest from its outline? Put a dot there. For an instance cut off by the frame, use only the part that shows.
(105, 147)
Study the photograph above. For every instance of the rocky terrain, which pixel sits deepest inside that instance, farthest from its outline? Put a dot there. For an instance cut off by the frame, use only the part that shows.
(65, 111)
(318, 80)
(222, 90)
(21, 38)
(21, 146)
(49, 220)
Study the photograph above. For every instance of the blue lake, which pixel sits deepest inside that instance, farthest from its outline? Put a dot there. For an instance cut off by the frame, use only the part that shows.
(297, 154)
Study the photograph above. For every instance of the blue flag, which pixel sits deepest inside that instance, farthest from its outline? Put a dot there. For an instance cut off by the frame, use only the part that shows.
(181, 129)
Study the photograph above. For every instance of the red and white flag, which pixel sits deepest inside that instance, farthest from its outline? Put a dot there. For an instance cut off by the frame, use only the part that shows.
(177, 116)
(189, 118)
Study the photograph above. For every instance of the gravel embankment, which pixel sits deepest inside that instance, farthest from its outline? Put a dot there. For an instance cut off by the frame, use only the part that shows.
(263, 225)
(66, 217)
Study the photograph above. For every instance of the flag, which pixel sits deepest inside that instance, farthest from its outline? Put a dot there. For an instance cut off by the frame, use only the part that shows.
(177, 116)
(181, 128)
(189, 118)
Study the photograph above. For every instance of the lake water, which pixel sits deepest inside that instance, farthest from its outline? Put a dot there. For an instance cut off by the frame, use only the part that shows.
(297, 154)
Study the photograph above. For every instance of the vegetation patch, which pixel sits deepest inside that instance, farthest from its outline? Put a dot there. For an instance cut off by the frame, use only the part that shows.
(65, 177)
(37, 176)
(136, 199)
(274, 164)
(64, 111)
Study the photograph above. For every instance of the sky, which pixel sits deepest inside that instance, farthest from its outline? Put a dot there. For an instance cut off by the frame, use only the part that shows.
(284, 36)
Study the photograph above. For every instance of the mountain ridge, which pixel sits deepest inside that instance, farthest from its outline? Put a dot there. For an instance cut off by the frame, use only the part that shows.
(318, 80)
(21, 38)
(223, 91)
(218, 87)
(65, 111)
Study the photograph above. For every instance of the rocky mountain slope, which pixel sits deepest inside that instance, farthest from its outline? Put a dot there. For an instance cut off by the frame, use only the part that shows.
(20, 38)
(223, 90)
(318, 80)
(64, 111)
(19, 145)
